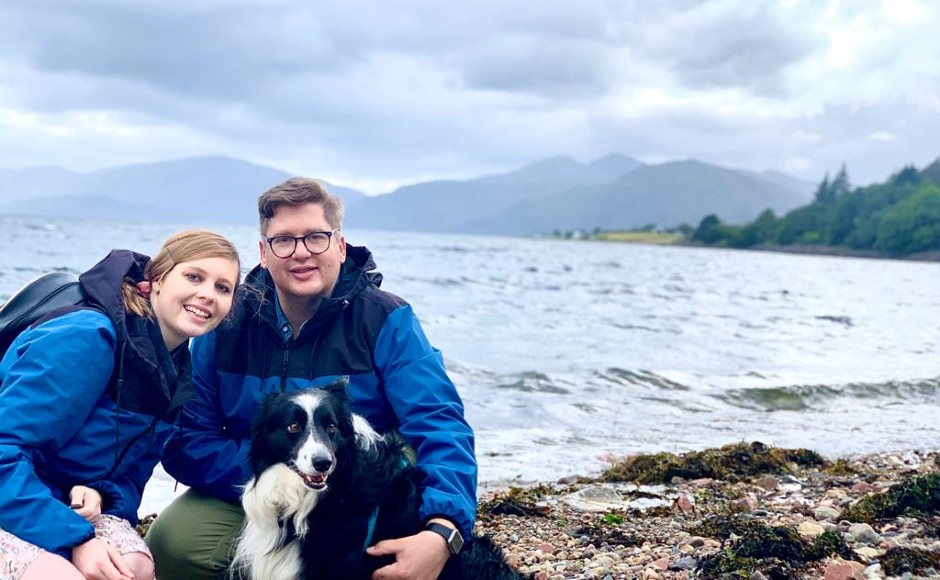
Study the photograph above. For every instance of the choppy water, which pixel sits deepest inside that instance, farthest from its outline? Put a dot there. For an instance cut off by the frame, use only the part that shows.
(567, 351)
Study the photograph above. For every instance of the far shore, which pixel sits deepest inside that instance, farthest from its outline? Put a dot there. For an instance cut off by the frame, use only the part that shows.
(675, 239)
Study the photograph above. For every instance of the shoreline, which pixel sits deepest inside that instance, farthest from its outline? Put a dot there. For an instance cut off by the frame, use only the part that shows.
(744, 510)
(688, 527)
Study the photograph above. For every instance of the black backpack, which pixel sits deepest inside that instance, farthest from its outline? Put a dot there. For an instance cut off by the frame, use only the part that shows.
(38, 298)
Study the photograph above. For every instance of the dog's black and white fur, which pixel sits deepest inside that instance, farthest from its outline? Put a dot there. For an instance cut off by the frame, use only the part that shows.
(320, 475)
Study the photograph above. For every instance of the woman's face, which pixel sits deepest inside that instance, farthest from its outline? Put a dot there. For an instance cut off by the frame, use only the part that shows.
(193, 298)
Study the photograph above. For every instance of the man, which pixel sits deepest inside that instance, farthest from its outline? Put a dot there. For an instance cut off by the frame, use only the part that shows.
(313, 312)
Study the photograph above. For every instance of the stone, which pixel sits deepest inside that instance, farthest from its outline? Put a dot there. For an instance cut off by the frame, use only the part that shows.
(841, 570)
(809, 529)
(863, 533)
(768, 483)
(825, 513)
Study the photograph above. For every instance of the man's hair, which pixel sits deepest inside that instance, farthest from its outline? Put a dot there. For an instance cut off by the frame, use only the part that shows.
(298, 191)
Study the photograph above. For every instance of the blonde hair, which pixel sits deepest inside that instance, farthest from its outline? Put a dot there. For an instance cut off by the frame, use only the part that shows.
(180, 247)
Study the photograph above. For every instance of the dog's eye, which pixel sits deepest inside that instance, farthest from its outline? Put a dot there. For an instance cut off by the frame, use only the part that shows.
(293, 428)
(331, 428)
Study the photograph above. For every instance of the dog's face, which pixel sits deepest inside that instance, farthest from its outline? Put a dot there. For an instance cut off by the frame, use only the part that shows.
(304, 430)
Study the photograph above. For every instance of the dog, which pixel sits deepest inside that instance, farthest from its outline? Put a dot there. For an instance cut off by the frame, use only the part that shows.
(325, 486)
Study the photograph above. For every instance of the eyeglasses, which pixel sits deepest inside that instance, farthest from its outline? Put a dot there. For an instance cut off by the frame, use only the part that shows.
(315, 242)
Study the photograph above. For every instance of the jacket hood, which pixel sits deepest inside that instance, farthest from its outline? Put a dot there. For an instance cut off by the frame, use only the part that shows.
(103, 284)
(145, 356)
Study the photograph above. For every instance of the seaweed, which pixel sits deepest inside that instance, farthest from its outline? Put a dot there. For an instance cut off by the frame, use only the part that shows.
(898, 560)
(917, 495)
(516, 501)
(731, 462)
(750, 546)
(143, 526)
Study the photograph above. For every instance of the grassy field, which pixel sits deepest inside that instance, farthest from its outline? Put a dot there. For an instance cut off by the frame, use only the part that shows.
(639, 237)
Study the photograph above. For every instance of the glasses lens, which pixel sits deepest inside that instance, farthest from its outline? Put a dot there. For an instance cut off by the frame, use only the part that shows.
(283, 247)
(317, 242)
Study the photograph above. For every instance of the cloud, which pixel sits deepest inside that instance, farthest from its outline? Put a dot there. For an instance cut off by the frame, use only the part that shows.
(378, 93)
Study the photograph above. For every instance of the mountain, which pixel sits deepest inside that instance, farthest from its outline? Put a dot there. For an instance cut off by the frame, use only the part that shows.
(785, 181)
(443, 206)
(201, 189)
(89, 206)
(664, 195)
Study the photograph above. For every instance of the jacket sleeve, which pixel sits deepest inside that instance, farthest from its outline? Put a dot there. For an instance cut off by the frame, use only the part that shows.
(53, 376)
(199, 453)
(121, 495)
(431, 418)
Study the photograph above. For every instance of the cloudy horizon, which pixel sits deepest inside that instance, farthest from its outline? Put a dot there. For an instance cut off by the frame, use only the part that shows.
(375, 95)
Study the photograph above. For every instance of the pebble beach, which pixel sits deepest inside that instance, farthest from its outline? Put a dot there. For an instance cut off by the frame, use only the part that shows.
(788, 522)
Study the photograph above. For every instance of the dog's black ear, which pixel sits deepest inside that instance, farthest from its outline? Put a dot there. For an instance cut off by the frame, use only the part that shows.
(339, 387)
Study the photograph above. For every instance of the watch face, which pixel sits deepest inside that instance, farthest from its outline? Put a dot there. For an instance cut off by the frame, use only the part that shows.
(455, 543)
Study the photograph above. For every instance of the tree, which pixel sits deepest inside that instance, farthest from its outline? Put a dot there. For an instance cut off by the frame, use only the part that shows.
(824, 192)
(840, 186)
(710, 230)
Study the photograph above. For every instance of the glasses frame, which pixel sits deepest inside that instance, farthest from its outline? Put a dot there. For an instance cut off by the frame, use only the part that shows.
(329, 240)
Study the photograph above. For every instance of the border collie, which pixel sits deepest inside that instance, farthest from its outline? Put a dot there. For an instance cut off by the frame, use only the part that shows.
(325, 486)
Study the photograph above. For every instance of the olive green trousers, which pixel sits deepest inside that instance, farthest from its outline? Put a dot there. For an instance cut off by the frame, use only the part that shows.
(192, 539)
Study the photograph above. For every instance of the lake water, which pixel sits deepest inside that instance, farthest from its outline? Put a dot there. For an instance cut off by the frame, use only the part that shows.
(567, 351)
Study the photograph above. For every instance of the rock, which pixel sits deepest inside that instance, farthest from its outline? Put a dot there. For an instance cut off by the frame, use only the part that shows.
(863, 533)
(685, 504)
(661, 564)
(685, 563)
(594, 499)
(841, 570)
(825, 513)
(768, 483)
(809, 529)
(868, 553)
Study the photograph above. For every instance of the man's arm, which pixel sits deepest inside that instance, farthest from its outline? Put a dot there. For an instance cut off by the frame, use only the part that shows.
(431, 419)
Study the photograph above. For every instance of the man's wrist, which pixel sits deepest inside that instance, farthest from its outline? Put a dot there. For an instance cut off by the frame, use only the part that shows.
(449, 532)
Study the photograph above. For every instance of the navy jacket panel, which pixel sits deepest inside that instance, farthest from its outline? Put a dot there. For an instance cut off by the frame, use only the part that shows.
(396, 381)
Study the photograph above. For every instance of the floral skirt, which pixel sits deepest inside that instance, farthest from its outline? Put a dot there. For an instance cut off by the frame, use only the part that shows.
(16, 555)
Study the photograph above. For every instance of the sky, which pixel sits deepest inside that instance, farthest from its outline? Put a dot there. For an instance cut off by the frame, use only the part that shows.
(380, 93)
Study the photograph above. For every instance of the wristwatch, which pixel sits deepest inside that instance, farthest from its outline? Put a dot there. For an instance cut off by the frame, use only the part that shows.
(451, 535)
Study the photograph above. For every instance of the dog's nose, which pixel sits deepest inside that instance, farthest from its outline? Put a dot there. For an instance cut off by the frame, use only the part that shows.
(322, 463)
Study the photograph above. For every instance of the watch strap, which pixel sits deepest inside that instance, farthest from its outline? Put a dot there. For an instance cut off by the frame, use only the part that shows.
(451, 536)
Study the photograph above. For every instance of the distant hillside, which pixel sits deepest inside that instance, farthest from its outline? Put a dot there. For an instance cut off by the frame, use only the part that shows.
(898, 217)
(201, 190)
(90, 206)
(612, 192)
(444, 206)
(665, 195)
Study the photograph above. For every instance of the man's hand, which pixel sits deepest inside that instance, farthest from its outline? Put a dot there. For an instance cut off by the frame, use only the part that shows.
(418, 557)
(97, 560)
(86, 502)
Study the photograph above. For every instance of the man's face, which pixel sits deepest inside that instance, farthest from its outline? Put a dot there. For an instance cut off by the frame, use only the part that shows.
(303, 275)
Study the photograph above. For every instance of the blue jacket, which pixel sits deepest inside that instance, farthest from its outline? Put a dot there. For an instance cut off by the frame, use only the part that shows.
(66, 420)
(397, 381)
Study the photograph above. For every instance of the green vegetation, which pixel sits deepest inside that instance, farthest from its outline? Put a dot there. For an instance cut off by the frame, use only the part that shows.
(900, 560)
(648, 234)
(918, 495)
(751, 547)
(730, 463)
(898, 217)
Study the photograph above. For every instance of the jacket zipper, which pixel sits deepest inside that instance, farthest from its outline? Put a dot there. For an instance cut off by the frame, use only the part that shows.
(285, 360)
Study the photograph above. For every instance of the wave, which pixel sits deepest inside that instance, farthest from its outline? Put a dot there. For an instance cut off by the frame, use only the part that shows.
(642, 378)
(804, 397)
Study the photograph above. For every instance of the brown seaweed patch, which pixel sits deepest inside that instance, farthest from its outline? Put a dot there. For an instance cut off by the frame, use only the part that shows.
(731, 463)
(774, 551)
(516, 501)
(143, 526)
(919, 495)
(899, 560)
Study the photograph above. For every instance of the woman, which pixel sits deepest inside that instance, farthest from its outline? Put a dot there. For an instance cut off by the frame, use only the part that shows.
(87, 399)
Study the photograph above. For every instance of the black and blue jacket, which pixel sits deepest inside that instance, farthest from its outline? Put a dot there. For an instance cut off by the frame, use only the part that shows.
(396, 378)
(87, 397)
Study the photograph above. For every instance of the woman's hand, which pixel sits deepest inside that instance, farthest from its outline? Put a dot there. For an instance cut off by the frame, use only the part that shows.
(86, 502)
(97, 560)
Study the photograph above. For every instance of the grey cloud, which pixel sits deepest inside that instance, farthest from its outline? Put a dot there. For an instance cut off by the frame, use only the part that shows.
(740, 46)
